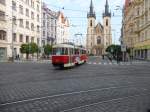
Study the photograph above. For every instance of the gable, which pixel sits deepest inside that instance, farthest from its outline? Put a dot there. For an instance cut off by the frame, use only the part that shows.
(99, 28)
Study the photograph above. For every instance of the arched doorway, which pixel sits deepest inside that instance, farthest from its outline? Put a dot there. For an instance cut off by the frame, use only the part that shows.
(97, 50)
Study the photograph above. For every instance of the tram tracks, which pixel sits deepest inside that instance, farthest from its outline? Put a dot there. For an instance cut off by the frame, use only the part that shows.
(80, 99)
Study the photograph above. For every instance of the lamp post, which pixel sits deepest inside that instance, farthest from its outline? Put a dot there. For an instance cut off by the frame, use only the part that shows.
(123, 46)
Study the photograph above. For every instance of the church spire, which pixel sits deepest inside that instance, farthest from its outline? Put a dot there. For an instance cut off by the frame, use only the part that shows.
(91, 12)
(91, 7)
(107, 13)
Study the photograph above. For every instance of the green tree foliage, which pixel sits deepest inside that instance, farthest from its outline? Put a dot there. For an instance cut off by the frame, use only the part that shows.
(114, 50)
(47, 49)
(30, 48)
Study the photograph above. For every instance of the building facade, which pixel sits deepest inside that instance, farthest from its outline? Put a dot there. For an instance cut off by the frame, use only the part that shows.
(62, 28)
(20, 23)
(136, 28)
(49, 24)
(99, 36)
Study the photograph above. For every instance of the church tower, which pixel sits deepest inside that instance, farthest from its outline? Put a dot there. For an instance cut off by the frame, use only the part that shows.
(90, 28)
(107, 26)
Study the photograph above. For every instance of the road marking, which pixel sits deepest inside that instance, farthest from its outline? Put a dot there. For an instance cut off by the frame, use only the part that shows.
(94, 63)
(110, 63)
(100, 63)
(64, 94)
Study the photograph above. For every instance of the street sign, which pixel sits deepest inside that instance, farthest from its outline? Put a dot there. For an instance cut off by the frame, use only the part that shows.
(123, 48)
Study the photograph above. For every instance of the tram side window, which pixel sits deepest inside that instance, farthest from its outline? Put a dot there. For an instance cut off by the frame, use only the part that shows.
(58, 51)
(83, 52)
(76, 51)
(66, 51)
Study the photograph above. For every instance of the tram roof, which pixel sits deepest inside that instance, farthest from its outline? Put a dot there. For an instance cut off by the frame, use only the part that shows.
(63, 45)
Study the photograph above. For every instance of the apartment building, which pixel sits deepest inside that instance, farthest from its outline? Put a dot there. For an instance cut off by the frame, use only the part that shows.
(136, 28)
(20, 22)
(49, 25)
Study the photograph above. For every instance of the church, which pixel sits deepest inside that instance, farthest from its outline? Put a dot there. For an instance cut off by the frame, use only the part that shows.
(99, 36)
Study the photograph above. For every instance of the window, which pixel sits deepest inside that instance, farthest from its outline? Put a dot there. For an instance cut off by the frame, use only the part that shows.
(32, 3)
(2, 15)
(32, 39)
(2, 35)
(91, 23)
(43, 23)
(27, 39)
(20, 9)
(14, 20)
(32, 26)
(27, 1)
(2, 2)
(106, 22)
(27, 12)
(38, 9)
(21, 23)
(43, 42)
(98, 40)
(44, 15)
(14, 37)
(27, 24)
(38, 28)
(20, 38)
(32, 15)
(38, 18)
(14, 5)
(43, 33)
(38, 41)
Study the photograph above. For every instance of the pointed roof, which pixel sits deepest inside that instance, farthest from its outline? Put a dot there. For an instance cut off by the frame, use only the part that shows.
(99, 26)
(107, 13)
(91, 13)
(91, 6)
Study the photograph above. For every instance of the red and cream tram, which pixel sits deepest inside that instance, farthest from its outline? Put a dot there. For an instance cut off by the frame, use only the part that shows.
(67, 55)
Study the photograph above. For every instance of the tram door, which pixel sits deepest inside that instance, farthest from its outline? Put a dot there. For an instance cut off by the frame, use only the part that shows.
(70, 55)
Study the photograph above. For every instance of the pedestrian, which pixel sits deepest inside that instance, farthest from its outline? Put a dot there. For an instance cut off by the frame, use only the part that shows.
(18, 57)
(103, 56)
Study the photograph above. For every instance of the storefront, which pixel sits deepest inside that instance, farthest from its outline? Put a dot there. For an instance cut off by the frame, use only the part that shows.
(142, 52)
(3, 54)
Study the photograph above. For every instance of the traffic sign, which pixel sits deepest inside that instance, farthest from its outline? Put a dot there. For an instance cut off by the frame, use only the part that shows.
(123, 48)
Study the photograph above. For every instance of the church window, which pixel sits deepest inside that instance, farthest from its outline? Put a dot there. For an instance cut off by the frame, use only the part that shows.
(106, 22)
(98, 40)
(91, 23)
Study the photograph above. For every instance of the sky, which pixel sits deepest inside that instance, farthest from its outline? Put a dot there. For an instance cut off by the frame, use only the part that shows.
(76, 11)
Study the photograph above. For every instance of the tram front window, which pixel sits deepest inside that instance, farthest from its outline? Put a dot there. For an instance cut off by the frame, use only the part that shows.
(60, 51)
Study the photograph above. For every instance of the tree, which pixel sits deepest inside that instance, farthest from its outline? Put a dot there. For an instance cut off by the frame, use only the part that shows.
(114, 50)
(30, 48)
(47, 49)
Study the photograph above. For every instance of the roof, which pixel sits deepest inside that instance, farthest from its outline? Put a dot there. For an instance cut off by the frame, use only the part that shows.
(63, 46)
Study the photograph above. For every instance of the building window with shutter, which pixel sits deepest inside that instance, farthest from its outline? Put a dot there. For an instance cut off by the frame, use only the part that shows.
(2, 35)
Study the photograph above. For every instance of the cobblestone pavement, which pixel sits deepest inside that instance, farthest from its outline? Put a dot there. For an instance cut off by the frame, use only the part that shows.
(38, 87)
